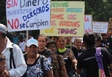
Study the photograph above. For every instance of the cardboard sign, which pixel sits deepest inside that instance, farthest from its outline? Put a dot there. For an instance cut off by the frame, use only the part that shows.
(67, 19)
(100, 27)
(27, 14)
(88, 24)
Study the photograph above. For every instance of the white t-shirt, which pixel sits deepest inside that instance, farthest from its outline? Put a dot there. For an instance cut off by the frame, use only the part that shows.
(22, 45)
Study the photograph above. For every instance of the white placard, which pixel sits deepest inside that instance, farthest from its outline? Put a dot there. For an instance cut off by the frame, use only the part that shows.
(88, 24)
(100, 27)
(27, 14)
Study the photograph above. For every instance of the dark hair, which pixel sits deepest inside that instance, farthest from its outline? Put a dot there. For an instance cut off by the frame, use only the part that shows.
(59, 37)
(4, 35)
(98, 39)
(55, 37)
(42, 35)
(89, 39)
(21, 38)
(2, 57)
(103, 34)
(30, 34)
(50, 42)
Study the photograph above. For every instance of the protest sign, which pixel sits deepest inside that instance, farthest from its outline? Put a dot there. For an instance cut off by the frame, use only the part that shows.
(110, 25)
(67, 19)
(27, 14)
(100, 27)
(88, 24)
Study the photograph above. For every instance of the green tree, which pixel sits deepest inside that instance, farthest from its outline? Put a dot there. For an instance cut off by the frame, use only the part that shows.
(2, 12)
(100, 9)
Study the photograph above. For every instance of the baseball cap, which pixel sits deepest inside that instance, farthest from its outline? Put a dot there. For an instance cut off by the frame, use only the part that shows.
(3, 29)
(32, 41)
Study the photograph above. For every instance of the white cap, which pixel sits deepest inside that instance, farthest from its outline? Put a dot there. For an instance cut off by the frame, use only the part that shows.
(3, 29)
(32, 41)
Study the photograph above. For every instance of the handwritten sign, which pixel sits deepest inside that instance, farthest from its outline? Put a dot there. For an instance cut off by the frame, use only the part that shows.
(100, 27)
(67, 19)
(110, 25)
(88, 24)
(27, 14)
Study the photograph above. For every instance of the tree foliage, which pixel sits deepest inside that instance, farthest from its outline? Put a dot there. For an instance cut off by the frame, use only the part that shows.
(99, 9)
(2, 12)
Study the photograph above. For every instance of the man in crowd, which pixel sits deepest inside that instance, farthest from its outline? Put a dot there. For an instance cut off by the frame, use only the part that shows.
(72, 47)
(18, 67)
(2, 65)
(88, 61)
(78, 45)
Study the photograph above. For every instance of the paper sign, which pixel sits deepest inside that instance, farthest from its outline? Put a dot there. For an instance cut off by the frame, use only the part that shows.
(67, 19)
(88, 24)
(27, 14)
(100, 27)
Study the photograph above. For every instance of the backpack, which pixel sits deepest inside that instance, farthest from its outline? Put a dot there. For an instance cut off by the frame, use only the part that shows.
(12, 58)
(98, 56)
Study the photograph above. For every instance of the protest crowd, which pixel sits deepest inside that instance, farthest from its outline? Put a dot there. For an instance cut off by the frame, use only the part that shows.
(68, 44)
(56, 56)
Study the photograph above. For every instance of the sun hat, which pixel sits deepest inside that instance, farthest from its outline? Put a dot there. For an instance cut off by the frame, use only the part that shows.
(3, 28)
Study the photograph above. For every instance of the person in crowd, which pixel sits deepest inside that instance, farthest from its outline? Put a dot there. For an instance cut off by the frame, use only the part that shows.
(98, 42)
(58, 63)
(109, 38)
(5, 46)
(2, 65)
(30, 36)
(105, 42)
(54, 38)
(109, 35)
(78, 45)
(22, 44)
(42, 49)
(88, 61)
(68, 56)
(15, 38)
(38, 65)
(80, 49)
(72, 47)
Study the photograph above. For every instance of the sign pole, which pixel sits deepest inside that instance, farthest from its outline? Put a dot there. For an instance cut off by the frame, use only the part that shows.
(26, 34)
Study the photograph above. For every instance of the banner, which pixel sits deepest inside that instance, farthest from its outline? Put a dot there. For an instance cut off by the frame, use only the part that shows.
(27, 14)
(110, 25)
(100, 27)
(67, 19)
(88, 24)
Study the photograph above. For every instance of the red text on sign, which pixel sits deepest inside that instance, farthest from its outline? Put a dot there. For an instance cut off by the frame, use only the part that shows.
(53, 22)
(14, 23)
(67, 31)
(86, 19)
(88, 30)
(11, 3)
(57, 16)
(72, 16)
(69, 23)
